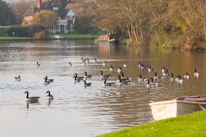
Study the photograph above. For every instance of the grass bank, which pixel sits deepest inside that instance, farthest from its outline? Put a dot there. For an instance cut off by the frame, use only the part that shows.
(15, 38)
(79, 36)
(191, 125)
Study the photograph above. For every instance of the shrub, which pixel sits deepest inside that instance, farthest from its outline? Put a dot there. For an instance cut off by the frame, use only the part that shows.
(15, 31)
(33, 29)
(40, 35)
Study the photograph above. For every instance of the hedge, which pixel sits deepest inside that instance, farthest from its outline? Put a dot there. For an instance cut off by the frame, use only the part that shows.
(15, 31)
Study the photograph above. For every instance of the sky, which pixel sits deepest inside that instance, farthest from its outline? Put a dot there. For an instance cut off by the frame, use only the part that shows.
(15, 0)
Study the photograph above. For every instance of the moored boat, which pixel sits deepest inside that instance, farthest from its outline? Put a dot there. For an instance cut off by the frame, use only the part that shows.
(108, 38)
(177, 106)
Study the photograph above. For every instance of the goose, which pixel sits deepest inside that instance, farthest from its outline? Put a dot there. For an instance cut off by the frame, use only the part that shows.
(119, 70)
(48, 80)
(37, 64)
(127, 78)
(18, 78)
(86, 84)
(108, 84)
(179, 80)
(149, 85)
(95, 60)
(102, 77)
(186, 76)
(165, 73)
(104, 63)
(70, 64)
(196, 74)
(76, 78)
(119, 79)
(49, 96)
(86, 76)
(139, 79)
(111, 69)
(31, 99)
(124, 82)
(150, 69)
(140, 64)
(125, 65)
(163, 70)
(155, 84)
(87, 61)
(155, 76)
(172, 77)
(142, 67)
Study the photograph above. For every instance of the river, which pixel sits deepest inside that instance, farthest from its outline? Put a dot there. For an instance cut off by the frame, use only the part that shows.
(86, 112)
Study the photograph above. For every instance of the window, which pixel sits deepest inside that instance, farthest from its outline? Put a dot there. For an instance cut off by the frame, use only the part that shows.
(55, 8)
(30, 17)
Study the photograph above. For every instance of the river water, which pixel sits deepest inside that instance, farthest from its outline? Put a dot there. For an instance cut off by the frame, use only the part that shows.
(85, 112)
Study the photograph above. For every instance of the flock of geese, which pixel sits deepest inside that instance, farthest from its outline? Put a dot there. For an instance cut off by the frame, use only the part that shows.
(150, 82)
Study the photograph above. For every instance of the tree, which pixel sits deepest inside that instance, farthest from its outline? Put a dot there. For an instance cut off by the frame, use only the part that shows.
(46, 19)
(19, 9)
(6, 14)
(64, 2)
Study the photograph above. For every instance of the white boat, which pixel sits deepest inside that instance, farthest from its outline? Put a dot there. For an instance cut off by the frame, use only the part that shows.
(178, 106)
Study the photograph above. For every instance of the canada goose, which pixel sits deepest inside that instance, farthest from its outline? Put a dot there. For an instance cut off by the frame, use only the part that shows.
(139, 79)
(163, 70)
(155, 84)
(139, 65)
(77, 79)
(149, 85)
(155, 76)
(70, 64)
(48, 80)
(179, 80)
(108, 84)
(102, 77)
(196, 74)
(87, 76)
(87, 61)
(186, 76)
(119, 70)
(111, 69)
(124, 82)
(104, 63)
(49, 96)
(95, 60)
(127, 78)
(31, 99)
(18, 78)
(150, 69)
(142, 67)
(86, 84)
(125, 65)
(165, 73)
(172, 77)
(37, 64)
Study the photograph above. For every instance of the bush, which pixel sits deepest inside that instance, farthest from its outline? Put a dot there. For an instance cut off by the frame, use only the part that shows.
(14, 31)
(40, 35)
(33, 29)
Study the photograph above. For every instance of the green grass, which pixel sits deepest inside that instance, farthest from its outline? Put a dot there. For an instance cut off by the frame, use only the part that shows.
(78, 36)
(191, 125)
(14, 38)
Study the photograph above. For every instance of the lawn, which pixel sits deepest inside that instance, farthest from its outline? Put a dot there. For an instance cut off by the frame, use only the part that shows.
(191, 125)
(78, 36)
(14, 38)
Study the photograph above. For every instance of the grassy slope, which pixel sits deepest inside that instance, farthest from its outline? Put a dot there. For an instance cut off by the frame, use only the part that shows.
(78, 35)
(191, 125)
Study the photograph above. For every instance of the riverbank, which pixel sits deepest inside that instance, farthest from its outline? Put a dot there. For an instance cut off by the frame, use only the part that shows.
(191, 125)
(59, 37)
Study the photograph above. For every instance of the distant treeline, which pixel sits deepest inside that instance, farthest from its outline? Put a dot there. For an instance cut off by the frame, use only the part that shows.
(159, 23)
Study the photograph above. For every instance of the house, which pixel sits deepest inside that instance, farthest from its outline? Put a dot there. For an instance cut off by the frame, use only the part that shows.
(66, 15)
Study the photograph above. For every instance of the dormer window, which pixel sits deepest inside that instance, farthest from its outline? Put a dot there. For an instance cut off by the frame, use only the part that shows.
(55, 8)
(30, 17)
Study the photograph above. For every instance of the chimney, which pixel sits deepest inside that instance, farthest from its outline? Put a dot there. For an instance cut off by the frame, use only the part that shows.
(59, 3)
(38, 4)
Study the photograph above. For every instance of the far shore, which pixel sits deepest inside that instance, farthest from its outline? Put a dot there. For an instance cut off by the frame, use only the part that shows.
(62, 37)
